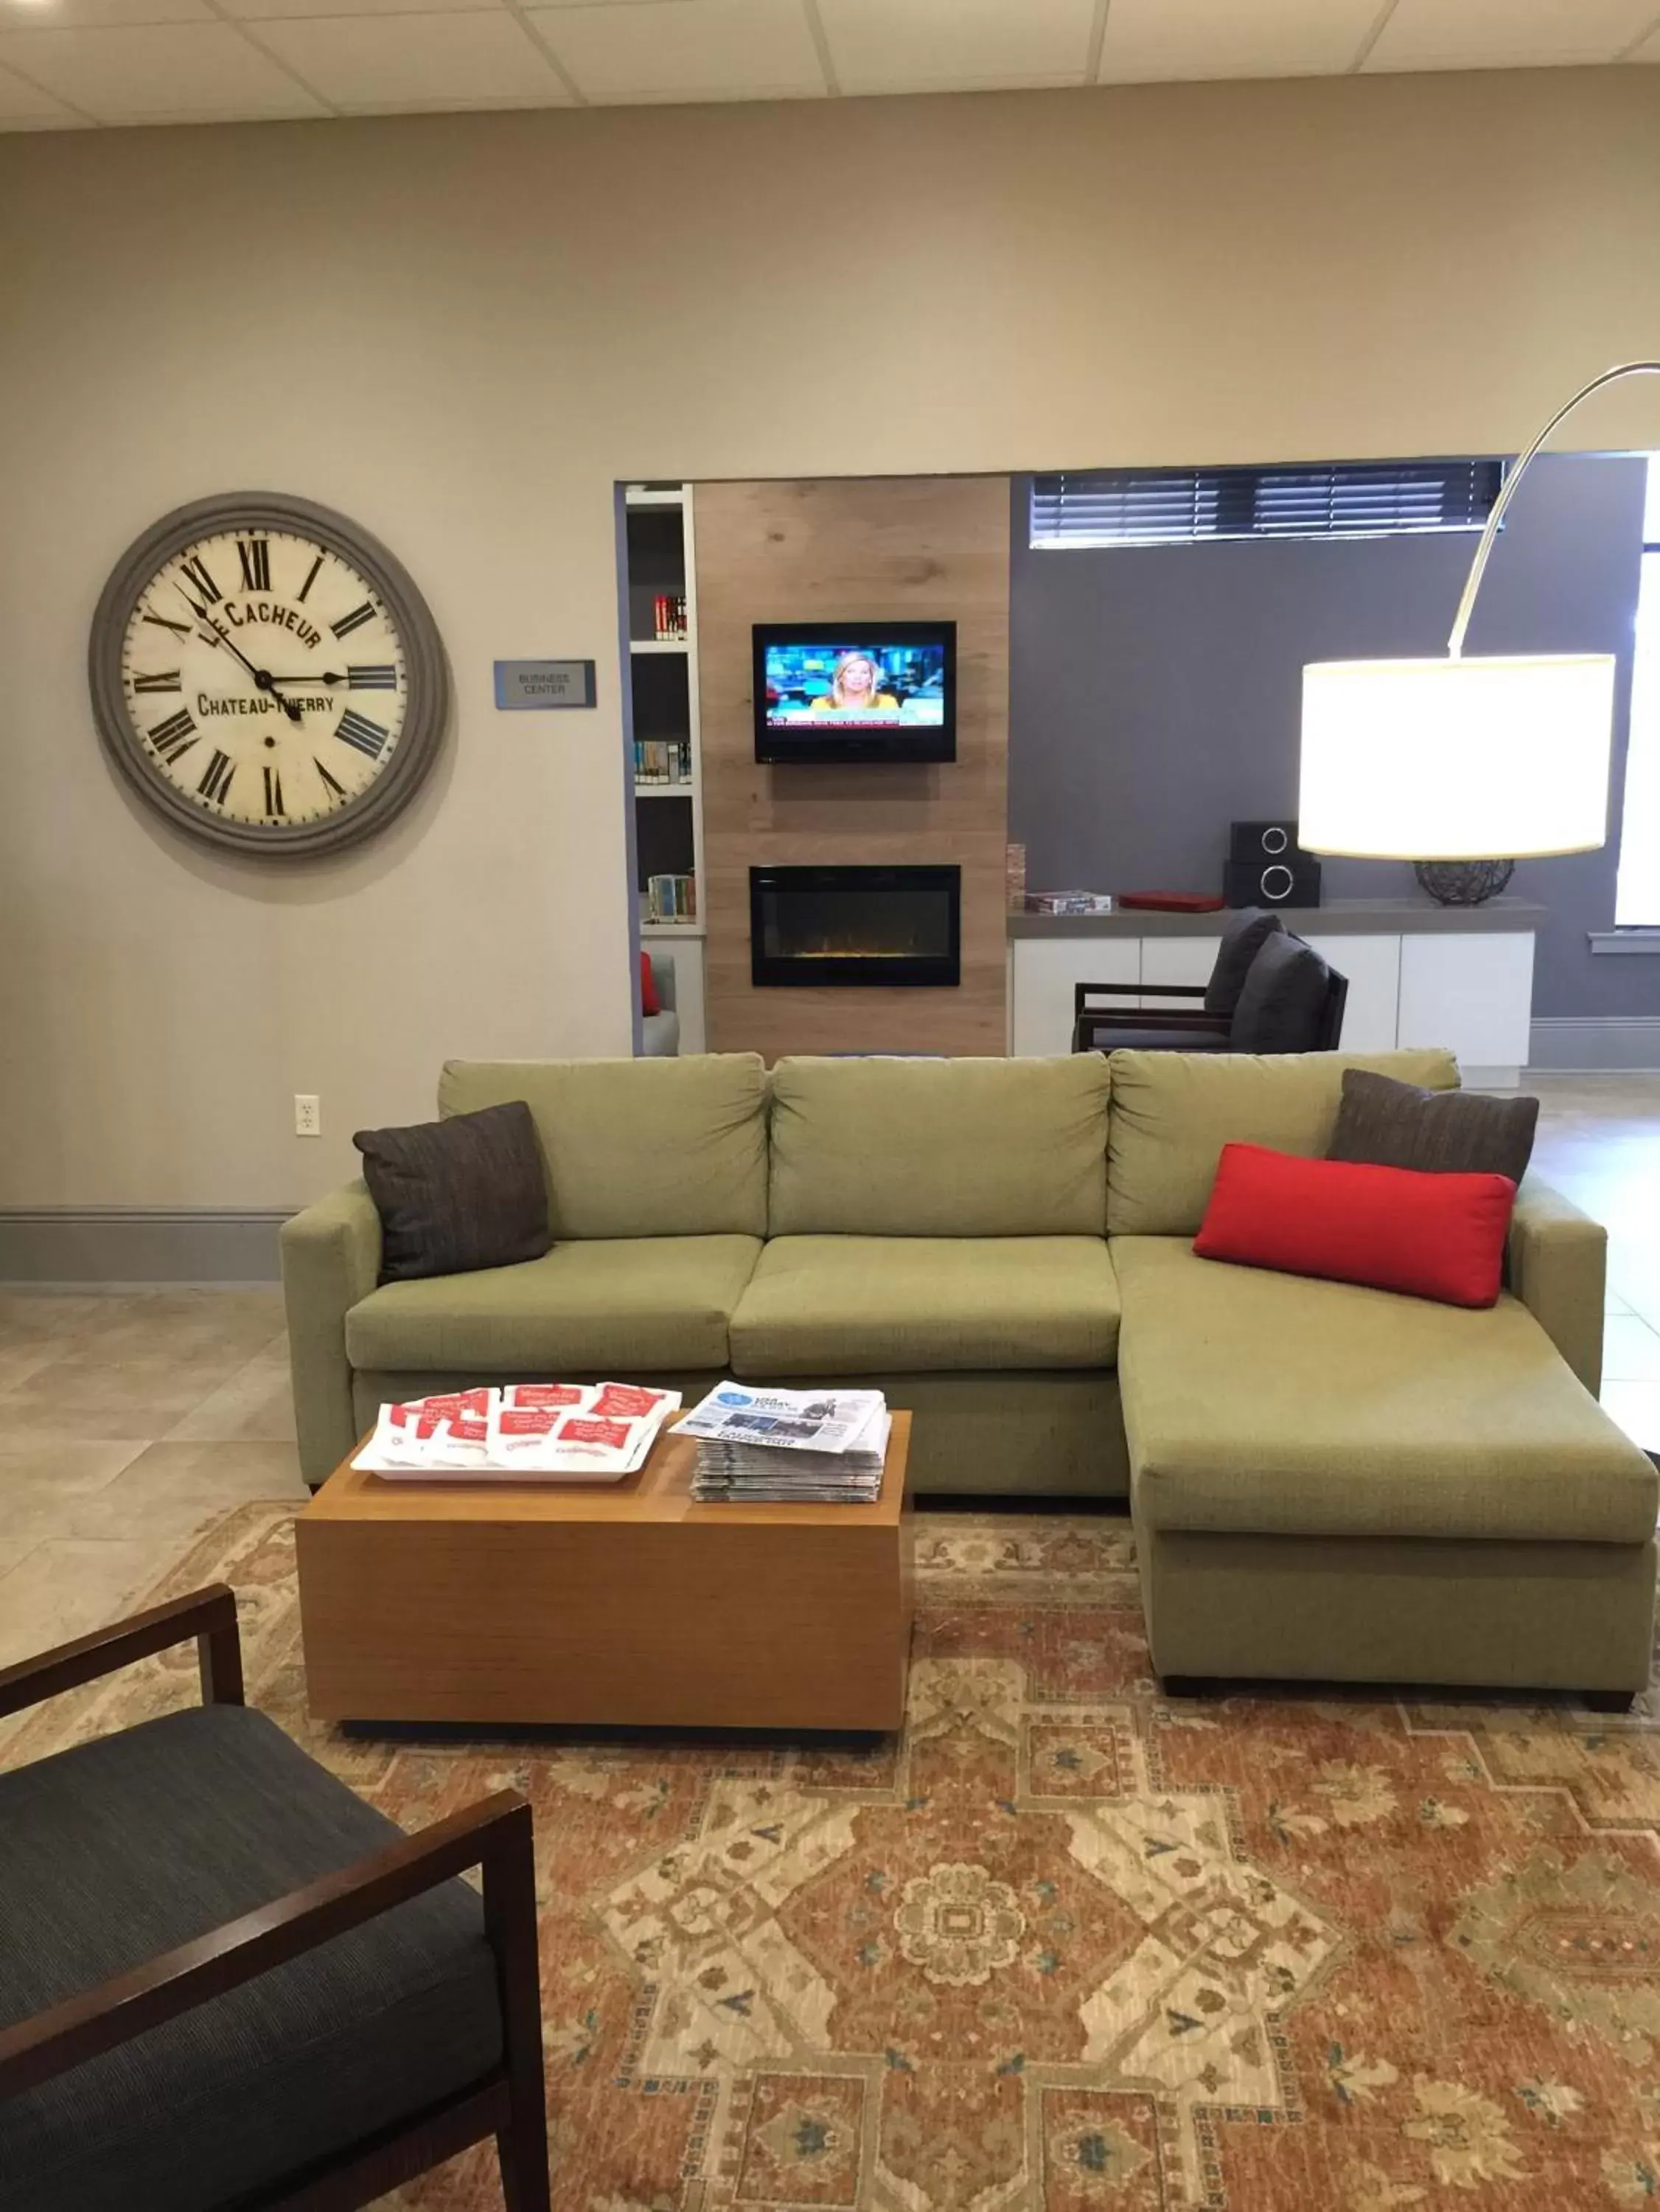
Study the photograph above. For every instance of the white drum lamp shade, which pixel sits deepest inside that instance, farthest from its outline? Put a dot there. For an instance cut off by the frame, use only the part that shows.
(1490, 757)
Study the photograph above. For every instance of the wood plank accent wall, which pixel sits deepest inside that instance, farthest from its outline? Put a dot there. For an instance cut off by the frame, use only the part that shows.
(878, 548)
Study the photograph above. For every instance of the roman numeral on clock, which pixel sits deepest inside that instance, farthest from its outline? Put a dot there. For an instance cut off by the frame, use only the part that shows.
(311, 578)
(355, 620)
(178, 630)
(254, 556)
(196, 573)
(215, 783)
(338, 789)
(375, 679)
(358, 731)
(165, 679)
(273, 792)
(174, 736)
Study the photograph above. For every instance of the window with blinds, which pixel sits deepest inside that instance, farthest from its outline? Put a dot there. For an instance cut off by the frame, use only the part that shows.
(1325, 499)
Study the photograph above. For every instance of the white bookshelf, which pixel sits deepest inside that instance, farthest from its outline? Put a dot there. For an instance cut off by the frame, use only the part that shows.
(654, 828)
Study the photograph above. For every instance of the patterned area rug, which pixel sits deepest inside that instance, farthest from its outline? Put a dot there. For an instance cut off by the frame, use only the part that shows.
(1069, 1944)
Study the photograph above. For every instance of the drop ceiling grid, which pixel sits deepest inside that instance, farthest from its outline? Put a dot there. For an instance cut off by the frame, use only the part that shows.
(66, 63)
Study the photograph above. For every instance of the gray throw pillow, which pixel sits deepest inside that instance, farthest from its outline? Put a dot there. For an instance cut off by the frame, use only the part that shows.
(1283, 1000)
(1242, 940)
(1395, 1125)
(459, 1195)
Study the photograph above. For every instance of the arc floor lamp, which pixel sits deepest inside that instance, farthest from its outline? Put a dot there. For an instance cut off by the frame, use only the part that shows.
(1468, 757)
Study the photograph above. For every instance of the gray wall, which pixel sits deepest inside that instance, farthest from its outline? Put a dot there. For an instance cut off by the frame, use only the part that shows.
(1155, 693)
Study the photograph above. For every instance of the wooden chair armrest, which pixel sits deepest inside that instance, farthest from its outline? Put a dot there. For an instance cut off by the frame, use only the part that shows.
(1083, 991)
(495, 1834)
(1155, 1017)
(208, 1615)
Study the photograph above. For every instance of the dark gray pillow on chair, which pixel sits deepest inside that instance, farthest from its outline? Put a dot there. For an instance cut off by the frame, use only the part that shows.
(455, 1195)
(1283, 998)
(1242, 940)
(1396, 1125)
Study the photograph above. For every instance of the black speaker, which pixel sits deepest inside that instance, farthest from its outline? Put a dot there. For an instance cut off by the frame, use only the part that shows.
(1295, 882)
(1263, 841)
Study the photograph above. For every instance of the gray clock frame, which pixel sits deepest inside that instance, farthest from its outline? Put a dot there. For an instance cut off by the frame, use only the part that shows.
(426, 675)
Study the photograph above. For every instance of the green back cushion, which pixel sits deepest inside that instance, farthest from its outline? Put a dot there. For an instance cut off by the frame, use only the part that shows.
(881, 1147)
(637, 1147)
(1174, 1111)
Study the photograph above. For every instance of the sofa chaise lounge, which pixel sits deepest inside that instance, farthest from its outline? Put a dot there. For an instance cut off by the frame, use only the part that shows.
(1326, 1481)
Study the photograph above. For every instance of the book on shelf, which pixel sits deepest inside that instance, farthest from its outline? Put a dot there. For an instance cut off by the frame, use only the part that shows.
(671, 898)
(1069, 902)
(663, 761)
(669, 616)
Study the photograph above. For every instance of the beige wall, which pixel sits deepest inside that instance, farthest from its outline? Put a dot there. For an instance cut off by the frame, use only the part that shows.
(461, 330)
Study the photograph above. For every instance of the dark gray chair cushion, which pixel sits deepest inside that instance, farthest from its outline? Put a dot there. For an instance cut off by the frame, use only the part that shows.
(1154, 1039)
(1283, 1000)
(459, 1195)
(1438, 1131)
(1242, 940)
(113, 1853)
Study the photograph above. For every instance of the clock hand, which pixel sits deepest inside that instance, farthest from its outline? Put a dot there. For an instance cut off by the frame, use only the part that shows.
(328, 675)
(261, 677)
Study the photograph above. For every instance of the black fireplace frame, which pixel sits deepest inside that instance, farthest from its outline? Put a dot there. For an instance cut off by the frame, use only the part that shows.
(945, 970)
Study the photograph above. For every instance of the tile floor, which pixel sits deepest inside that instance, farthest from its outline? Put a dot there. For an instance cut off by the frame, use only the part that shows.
(131, 1420)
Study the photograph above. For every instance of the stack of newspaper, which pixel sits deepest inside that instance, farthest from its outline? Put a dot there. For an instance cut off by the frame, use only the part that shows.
(789, 1447)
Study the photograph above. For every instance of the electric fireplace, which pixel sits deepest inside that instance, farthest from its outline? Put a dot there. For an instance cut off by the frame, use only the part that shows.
(856, 925)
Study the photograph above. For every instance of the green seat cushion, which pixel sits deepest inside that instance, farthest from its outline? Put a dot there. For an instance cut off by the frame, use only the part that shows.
(637, 1147)
(881, 1305)
(629, 1304)
(887, 1147)
(1267, 1404)
(1174, 1111)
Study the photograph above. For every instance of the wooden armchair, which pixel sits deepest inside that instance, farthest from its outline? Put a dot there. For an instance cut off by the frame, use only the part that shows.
(227, 1985)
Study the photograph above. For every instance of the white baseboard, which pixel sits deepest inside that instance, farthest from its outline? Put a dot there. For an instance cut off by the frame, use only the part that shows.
(117, 1245)
(1596, 1043)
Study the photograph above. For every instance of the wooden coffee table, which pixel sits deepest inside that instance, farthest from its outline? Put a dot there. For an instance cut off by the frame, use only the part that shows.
(618, 1603)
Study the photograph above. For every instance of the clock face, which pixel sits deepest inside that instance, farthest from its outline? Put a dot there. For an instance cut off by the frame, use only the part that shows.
(266, 675)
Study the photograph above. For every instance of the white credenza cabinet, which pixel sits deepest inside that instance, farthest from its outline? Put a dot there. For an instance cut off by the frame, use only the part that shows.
(1469, 990)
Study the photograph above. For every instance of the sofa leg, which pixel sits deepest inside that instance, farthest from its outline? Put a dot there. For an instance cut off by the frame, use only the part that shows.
(1609, 1701)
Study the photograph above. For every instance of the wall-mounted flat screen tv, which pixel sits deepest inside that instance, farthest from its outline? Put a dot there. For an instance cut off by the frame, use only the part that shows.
(856, 691)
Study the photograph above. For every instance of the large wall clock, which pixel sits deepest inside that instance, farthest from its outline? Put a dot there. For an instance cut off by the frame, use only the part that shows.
(266, 675)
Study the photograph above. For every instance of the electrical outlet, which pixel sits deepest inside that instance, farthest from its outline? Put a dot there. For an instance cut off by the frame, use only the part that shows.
(307, 1113)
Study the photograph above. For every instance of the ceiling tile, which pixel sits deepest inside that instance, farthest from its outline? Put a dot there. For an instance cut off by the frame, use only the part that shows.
(939, 45)
(58, 15)
(478, 59)
(1507, 34)
(1158, 40)
(162, 73)
(662, 49)
(253, 11)
(20, 103)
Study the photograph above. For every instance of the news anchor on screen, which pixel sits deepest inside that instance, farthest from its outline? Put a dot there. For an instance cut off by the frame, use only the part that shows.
(856, 688)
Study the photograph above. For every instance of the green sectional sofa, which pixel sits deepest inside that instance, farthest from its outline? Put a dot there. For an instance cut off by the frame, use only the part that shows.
(1326, 1481)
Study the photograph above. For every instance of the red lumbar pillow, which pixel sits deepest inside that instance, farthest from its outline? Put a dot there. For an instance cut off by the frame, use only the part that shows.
(1395, 1229)
(648, 986)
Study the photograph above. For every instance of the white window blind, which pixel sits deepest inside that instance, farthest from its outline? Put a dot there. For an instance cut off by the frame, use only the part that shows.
(1637, 897)
(1325, 499)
